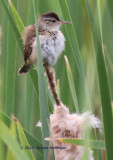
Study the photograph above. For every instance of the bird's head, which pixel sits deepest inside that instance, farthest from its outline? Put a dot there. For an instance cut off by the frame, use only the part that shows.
(50, 21)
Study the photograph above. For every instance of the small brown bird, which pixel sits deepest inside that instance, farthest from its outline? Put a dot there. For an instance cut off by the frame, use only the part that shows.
(52, 41)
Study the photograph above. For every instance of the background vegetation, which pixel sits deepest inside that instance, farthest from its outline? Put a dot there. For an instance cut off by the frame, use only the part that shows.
(89, 50)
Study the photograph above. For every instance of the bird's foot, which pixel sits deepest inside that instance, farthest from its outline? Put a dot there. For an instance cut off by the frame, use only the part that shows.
(35, 68)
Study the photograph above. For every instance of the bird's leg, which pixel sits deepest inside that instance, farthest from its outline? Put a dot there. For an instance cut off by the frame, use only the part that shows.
(52, 83)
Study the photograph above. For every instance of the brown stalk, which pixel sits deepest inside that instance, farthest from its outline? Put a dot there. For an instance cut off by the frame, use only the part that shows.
(51, 80)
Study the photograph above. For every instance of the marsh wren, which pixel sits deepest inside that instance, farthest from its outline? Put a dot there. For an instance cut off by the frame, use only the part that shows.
(51, 39)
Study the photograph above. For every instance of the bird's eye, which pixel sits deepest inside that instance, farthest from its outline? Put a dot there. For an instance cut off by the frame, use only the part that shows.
(53, 20)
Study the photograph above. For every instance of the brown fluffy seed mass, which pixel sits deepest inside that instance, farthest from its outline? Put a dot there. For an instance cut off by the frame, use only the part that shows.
(66, 125)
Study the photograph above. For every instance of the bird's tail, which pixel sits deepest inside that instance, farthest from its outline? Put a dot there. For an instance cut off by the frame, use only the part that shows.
(24, 69)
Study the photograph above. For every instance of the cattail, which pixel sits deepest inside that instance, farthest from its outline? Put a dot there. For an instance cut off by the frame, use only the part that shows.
(52, 83)
(65, 125)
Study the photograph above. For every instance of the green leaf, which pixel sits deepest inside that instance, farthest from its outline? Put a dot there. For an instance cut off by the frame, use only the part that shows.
(103, 79)
(71, 84)
(32, 140)
(7, 137)
(91, 143)
(44, 109)
(10, 73)
(17, 18)
(24, 141)
(13, 26)
(10, 154)
(2, 150)
(65, 9)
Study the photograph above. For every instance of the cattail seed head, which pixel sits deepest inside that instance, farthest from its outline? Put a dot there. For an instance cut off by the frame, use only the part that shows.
(66, 125)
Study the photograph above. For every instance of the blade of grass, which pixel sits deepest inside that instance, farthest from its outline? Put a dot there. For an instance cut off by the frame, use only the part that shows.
(91, 143)
(29, 126)
(17, 18)
(82, 142)
(110, 4)
(13, 26)
(10, 73)
(29, 102)
(4, 24)
(2, 150)
(75, 48)
(3, 53)
(71, 84)
(44, 110)
(103, 82)
(32, 140)
(10, 155)
(7, 137)
(24, 141)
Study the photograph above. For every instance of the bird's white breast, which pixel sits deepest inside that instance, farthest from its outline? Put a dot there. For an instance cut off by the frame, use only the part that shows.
(59, 44)
(51, 47)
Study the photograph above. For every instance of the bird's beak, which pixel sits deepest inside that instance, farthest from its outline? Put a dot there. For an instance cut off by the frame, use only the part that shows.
(64, 22)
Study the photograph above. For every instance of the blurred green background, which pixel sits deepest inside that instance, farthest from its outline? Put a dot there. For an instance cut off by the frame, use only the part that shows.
(17, 93)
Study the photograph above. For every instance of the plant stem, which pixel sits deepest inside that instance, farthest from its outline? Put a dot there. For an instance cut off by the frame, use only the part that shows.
(52, 83)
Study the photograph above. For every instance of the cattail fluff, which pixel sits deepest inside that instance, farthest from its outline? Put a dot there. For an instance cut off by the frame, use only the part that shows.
(65, 125)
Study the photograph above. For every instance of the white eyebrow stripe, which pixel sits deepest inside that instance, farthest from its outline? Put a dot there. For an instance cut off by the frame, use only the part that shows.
(48, 18)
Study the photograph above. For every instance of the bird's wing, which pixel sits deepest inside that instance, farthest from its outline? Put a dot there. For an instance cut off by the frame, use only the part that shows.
(27, 52)
(28, 33)
(28, 37)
